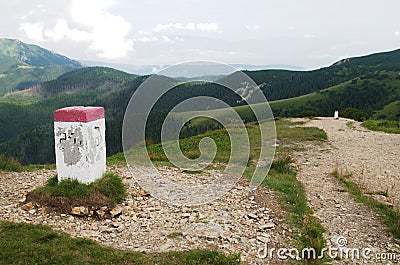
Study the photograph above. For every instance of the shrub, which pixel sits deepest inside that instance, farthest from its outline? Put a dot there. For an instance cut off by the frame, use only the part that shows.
(354, 114)
(307, 114)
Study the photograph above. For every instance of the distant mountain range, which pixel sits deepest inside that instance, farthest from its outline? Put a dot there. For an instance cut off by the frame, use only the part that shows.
(194, 75)
(369, 83)
(23, 65)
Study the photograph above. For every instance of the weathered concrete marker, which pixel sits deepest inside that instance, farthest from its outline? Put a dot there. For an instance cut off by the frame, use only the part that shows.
(336, 115)
(80, 144)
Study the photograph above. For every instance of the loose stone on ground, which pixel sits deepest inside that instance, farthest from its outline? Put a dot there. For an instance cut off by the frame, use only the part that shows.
(239, 222)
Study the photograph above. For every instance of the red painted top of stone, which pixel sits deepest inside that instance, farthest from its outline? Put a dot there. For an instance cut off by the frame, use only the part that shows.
(78, 114)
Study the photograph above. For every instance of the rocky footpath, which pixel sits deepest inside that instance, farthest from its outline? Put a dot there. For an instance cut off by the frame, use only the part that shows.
(242, 221)
(372, 159)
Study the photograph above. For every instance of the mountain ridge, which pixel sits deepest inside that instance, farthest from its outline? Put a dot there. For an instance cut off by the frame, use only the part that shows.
(32, 54)
(23, 65)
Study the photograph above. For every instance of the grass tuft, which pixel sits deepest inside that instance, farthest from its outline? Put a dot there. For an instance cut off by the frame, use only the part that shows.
(350, 125)
(110, 185)
(283, 165)
(174, 234)
(70, 188)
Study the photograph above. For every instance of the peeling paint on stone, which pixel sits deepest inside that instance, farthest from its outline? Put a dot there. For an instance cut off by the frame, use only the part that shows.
(71, 142)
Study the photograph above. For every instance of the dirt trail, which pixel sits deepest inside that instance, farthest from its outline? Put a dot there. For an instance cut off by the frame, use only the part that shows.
(372, 159)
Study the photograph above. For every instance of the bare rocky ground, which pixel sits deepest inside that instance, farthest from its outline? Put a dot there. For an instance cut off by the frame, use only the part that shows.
(242, 220)
(373, 160)
(239, 222)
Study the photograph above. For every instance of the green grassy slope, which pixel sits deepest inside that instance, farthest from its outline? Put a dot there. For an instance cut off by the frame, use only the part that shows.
(390, 111)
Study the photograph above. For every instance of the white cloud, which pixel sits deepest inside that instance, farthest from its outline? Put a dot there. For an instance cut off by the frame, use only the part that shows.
(161, 27)
(189, 26)
(142, 32)
(167, 39)
(178, 26)
(397, 33)
(207, 26)
(253, 27)
(34, 31)
(147, 39)
(62, 31)
(309, 36)
(106, 33)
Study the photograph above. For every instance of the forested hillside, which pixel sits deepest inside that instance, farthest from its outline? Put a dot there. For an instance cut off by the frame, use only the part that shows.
(370, 93)
(280, 84)
(370, 84)
(30, 127)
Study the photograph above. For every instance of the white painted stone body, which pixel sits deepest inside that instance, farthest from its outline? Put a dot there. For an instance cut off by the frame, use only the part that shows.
(336, 115)
(80, 150)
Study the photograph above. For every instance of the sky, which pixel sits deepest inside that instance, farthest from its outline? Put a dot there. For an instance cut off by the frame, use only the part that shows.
(304, 33)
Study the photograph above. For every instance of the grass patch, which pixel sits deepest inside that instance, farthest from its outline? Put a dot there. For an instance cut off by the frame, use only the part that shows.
(38, 244)
(350, 125)
(116, 159)
(9, 164)
(387, 126)
(292, 137)
(298, 134)
(32, 168)
(283, 165)
(390, 216)
(70, 188)
(287, 133)
(190, 147)
(282, 179)
(110, 185)
(192, 172)
(381, 193)
(174, 234)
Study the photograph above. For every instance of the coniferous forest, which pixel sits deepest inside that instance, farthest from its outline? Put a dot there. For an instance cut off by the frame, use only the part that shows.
(366, 87)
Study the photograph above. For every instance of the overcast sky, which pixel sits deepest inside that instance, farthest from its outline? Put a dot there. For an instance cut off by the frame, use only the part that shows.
(305, 33)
